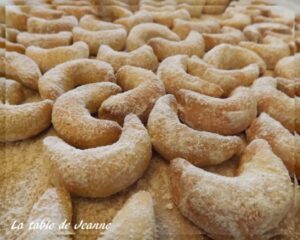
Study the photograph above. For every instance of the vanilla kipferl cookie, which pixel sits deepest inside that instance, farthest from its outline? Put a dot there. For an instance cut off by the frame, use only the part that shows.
(183, 27)
(92, 23)
(235, 19)
(167, 17)
(193, 45)
(92, 87)
(102, 171)
(271, 50)
(136, 218)
(173, 139)
(172, 71)
(140, 34)
(39, 25)
(55, 206)
(45, 12)
(115, 38)
(227, 116)
(36, 116)
(228, 80)
(137, 18)
(288, 67)
(226, 56)
(141, 89)
(227, 35)
(22, 69)
(49, 58)
(113, 12)
(255, 32)
(248, 206)
(275, 14)
(49, 40)
(280, 139)
(274, 102)
(73, 110)
(70, 74)
(287, 38)
(142, 57)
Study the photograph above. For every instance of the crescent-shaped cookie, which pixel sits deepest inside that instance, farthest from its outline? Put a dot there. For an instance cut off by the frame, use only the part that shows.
(39, 25)
(138, 17)
(102, 171)
(11, 91)
(70, 74)
(45, 40)
(141, 89)
(280, 139)
(226, 56)
(54, 207)
(72, 120)
(193, 45)
(227, 116)
(289, 67)
(92, 23)
(113, 12)
(142, 57)
(228, 80)
(49, 58)
(136, 220)
(45, 12)
(35, 116)
(248, 206)
(172, 71)
(167, 17)
(115, 38)
(271, 50)
(23, 69)
(183, 27)
(141, 33)
(235, 19)
(173, 139)
(274, 102)
(255, 32)
(275, 14)
(262, 19)
(227, 35)
(287, 38)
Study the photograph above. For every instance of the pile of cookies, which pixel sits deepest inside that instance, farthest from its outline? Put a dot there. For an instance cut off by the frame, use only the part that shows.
(169, 119)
